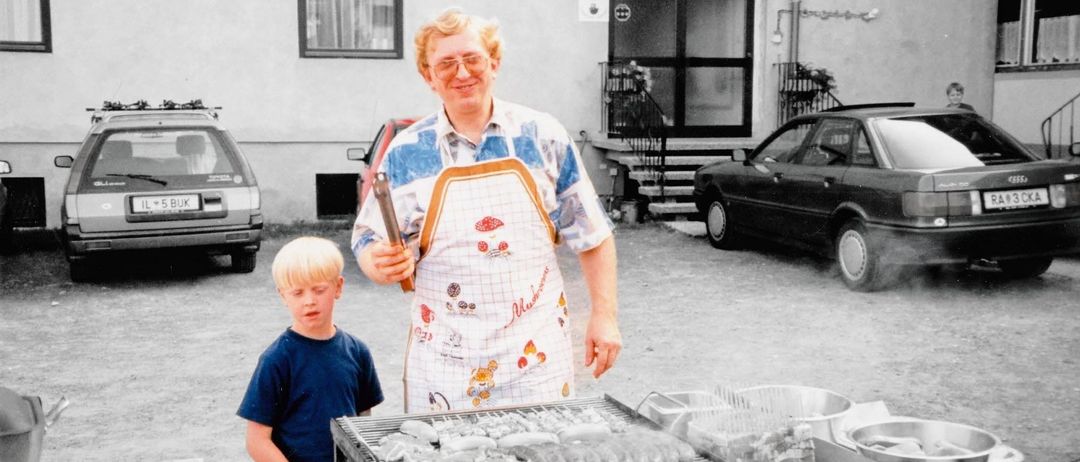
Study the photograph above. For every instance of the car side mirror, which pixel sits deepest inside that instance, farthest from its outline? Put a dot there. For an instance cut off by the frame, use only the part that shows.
(1074, 149)
(738, 155)
(63, 161)
(5, 167)
(356, 154)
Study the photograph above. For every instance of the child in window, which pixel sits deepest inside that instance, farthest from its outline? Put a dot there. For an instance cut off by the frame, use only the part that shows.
(314, 371)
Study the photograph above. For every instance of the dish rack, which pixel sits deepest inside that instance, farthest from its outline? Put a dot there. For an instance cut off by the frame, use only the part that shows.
(728, 426)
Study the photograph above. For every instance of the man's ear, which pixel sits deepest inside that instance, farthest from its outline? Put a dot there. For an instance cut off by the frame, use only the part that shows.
(428, 79)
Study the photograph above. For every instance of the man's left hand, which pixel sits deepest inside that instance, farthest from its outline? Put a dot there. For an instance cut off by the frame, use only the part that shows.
(602, 343)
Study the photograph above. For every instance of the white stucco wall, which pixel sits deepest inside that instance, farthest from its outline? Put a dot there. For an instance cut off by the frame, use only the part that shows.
(1022, 100)
(287, 111)
(910, 52)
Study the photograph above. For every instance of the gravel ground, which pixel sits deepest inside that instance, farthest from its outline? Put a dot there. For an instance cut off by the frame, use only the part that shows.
(156, 354)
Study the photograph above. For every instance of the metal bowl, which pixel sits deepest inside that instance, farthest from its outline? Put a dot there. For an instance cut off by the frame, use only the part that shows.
(824, 410)
(929, 433)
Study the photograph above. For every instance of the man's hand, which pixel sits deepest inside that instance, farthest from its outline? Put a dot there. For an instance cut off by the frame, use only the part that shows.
(603, 342)
(387, 264)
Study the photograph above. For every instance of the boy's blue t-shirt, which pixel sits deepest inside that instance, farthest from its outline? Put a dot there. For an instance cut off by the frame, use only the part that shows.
(300, 384)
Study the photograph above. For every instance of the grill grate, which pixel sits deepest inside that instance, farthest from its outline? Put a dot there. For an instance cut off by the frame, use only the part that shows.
(357, 437)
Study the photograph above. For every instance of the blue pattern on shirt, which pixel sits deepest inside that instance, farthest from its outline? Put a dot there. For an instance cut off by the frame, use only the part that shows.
(494, 147)
(569, 174)
(409, 162)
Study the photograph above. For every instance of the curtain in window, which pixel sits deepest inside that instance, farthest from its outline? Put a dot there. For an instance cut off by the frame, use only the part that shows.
(20, 20)
(1058, 40)
(350, 24)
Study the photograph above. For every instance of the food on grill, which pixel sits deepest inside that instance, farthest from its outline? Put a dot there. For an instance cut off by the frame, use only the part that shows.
(543, 434)
(398, 446)
(527, 438)
(466, 443)
(585, 432)
(421, 430)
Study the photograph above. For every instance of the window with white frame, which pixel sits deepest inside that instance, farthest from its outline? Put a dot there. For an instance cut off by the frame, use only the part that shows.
(24, 26)
(1043, 33)
(350, 28)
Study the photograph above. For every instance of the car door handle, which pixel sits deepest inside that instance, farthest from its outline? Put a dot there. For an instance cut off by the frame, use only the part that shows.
(829, 181)
(777, 176)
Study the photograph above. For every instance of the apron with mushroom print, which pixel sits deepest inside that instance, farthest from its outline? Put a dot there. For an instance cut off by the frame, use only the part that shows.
(489, 318)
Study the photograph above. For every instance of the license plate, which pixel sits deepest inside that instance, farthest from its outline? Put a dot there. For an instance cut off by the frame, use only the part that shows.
(1015, 199)
(165, 204)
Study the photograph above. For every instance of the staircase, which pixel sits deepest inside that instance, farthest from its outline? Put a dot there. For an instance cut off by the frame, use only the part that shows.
(673, 201)
(1059, 130)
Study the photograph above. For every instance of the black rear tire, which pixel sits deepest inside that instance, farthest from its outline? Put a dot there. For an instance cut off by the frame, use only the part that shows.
(243, 261)
(80, 270)
(718, 226)
(7, 245)
(1025, 267)
(859, 260)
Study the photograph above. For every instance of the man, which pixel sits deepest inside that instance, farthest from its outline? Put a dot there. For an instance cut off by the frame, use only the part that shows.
(483, 191)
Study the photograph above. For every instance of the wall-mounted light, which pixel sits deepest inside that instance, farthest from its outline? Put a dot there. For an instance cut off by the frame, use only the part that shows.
(778, 36)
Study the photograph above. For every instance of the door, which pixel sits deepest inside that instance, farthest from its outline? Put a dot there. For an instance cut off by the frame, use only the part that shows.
(699, 53)
(811, 186)
(762, 204)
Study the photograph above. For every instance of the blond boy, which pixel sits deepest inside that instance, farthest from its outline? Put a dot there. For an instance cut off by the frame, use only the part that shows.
(314, 371)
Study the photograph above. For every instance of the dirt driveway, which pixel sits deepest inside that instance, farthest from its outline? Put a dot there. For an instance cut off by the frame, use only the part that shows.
(155, 357)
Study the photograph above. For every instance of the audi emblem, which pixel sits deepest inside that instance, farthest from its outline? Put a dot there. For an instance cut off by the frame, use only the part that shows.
(1018, 179)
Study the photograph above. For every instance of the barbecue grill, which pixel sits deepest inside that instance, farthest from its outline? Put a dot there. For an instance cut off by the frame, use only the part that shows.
(357, 437)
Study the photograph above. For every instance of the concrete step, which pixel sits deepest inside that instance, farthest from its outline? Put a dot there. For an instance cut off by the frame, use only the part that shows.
(631, 160)
(683, 144)
(678, 175)
(669, 191)
(672, 208)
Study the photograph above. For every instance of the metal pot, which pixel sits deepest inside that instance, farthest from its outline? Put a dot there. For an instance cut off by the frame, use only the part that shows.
(930, 435)
(824, 410)
(23, 424)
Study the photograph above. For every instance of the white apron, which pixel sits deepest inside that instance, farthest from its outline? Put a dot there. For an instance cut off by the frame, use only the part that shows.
(489, 318)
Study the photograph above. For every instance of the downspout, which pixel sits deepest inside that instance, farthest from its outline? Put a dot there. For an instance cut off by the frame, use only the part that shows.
(793, 50)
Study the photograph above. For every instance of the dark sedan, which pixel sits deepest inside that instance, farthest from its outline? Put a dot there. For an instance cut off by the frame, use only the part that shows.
(884, 188)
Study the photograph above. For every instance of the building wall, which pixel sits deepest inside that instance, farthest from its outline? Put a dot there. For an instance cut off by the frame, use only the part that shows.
(1022, 100)
(910, 52)
(286, 111)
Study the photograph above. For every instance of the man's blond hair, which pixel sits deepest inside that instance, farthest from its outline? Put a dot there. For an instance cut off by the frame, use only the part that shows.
(306, 261)
(453, 21)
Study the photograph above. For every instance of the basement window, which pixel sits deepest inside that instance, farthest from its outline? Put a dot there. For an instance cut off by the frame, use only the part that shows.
(24, 26)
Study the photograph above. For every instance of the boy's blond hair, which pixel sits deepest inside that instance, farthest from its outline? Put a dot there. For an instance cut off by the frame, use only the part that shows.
(453, 21)
(305, 261)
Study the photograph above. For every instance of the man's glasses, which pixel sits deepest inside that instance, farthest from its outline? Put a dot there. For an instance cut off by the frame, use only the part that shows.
(448, 68)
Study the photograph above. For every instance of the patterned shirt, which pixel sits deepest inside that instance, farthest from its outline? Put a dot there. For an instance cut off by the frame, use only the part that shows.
(417, 155)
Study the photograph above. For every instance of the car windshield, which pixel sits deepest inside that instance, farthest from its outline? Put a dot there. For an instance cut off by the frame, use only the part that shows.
(153, 154)
(947, 141)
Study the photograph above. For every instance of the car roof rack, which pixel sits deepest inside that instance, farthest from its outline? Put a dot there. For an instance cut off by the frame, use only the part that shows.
(870, 106)
(142, 105)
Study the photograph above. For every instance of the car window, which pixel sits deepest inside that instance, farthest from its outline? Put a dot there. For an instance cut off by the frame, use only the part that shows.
(785, 145)
(864, 156)
(169, 152)
(830, 144)
(947, 141)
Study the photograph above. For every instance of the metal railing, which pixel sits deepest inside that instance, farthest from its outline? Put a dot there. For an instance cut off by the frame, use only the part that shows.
(799, 94)
(630, 113)
(1057, 142)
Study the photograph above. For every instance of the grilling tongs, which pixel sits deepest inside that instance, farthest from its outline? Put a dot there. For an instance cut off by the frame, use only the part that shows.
(381, 188)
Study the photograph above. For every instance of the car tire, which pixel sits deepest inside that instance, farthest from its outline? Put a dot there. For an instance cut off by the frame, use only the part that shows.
(7, 245)
(860, 263)
(1025, 267)
(243, 261)
(80, 270)
(718, 227)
